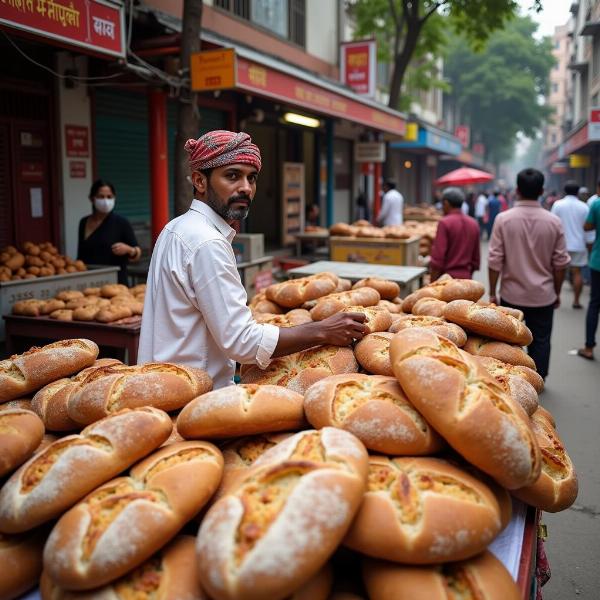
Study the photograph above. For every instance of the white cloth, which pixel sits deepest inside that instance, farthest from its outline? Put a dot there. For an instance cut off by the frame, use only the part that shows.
(573, 213)
(195, 310)
(464, 208)
(391, 209)
(481, 206)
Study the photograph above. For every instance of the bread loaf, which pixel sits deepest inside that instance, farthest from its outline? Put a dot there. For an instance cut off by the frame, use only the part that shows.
(343, 285)
(513, 312)
(333, 303)
(497, 368)
(113, 289)
(113, 313)
(423, 511)
(279, 526)
(373, 353)
(429, 307)
(63, 314)
(293, 293)
(163, 385)
(508, 353)
(488, 321)
(300, 370)
(375, 410)
(544, 413)
(343, 229)
(28, 308)
(123, 522)
(21, 432)
(466, 406)
(57, 477)
(392, 307)
(483, 577)
(49, 306)
(67, 295)
(317, 587)
(20, 403)
(91, 291)
(437, 324)
(28, 372)
(388, 290)
(21, 560)
(297, 316)
(446, 289)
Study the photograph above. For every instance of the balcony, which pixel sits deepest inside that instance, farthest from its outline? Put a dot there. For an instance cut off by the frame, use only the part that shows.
(591, 28)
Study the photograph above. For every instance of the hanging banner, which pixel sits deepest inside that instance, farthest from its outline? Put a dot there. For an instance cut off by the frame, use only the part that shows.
(463, 133)
(358, 66)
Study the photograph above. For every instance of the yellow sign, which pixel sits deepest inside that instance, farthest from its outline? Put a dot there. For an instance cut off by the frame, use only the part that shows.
(412, 132)
(374, 251)
(213, 70)
(579, 161)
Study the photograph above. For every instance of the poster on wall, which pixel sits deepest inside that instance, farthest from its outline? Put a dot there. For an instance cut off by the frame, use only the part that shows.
(293, 201)
(358, 66)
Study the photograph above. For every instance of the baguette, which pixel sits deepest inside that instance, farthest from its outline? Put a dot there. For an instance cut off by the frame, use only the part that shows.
(423, 511)
(28, 372)
(295, 292)
(507, 353)
(21, 432)
(497, 368)
(239, 410)
(54, 479)
(375, 410)
(429, 307)
(122, 523)
(334, 303)
(438, 325)
(388, 290)
(446, 289)
(21, 560)
(373, 353)
(466, 406)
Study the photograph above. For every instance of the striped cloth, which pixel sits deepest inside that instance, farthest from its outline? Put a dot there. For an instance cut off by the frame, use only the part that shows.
(219, 148)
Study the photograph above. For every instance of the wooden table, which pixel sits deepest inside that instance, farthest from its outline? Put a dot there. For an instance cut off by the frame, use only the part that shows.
(124, 335)
(322, 238)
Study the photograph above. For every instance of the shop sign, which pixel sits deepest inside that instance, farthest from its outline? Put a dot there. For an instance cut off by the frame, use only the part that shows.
(365, 152)
(213, 69)
(97, 25)
(358, 66)
(559, 168)
(412, 132)
(479, 148)
(594, 125)
(77, 169)
(77, 141)
(463, 133)
(576, 141)
(32, 172)
(579, 161)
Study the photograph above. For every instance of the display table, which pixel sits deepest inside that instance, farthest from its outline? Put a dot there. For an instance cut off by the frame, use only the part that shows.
(124, 335)
(378, 251)
(408, 278)
(319, 239)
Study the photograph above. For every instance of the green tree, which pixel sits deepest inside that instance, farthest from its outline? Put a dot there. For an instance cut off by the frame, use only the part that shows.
(498, 91)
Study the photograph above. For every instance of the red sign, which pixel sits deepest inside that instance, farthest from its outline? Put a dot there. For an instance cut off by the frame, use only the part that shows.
(463, 133)
(281, 86)
(76, 141)
(77, 169)
(479, 148)
(358, 66)
(32, 172)
(576, 141)
(97, 25)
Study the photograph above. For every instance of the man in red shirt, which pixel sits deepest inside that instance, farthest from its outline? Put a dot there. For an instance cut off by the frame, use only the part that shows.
(455, 250)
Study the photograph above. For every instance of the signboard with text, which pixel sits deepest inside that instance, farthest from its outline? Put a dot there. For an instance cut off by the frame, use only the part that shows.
(463, 133)
(213, 69)
(77, 141)
(358, 66)
(369, 152)
(594, 125)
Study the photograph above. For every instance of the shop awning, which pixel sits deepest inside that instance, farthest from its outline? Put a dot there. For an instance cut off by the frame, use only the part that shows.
(590, 28)
(432, 139)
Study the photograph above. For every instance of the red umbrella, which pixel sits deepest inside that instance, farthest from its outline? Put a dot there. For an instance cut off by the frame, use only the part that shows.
(464, 176)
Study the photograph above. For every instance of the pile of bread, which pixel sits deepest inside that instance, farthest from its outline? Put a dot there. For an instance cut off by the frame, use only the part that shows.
(35, 260)
(422, 212)
(382, 470)
(107, 304)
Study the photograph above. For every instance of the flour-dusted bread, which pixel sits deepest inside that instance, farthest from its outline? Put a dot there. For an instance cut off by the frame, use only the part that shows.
(508, 353)
(296, 316)
(373, 408)
(373, 353)
(295, 292)
(21, 432)
(55, 478)
(446, 289)
(376, 319)
(334, 303)
(461, 400)
(423, 511)
(437, 324)
(429, 307)
(388, 290)
(21, 562)
(392, 307)
(513, 312)
(497, 368)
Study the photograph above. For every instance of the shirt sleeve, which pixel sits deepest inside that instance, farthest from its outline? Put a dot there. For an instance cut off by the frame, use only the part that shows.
(385, 209)
(439, 247)
(221, 297)
(560, 256)
(496, 248)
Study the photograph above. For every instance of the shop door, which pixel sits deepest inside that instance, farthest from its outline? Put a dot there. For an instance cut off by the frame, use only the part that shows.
(342, 168)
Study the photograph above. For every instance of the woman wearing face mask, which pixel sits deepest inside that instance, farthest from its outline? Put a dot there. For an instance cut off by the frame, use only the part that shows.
(106, 238)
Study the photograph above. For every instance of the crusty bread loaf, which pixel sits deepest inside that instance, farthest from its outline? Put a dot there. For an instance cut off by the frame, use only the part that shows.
(544, 413)
(446, 289)
(296, 316)
(423, 511)
(343, 285)
(295, 292)
(28, 372)
(266, 306)
(317, 587)
(483, 577)
(438, 325)
(460, 399)
(28, 308)
(49, 306)
(123, 522)
(62, 314)
(57, 477)
(373, 353)
(368, 231)
(373, 408)
(21, 432)
(314, 482)
(113, 313)
(497, 368)
(163, 385)
(300, 370)
(488, 321)
(429, 307)
(21, 560)
(343, 229)
(392, 307)
(388, 290)
(333, 303)
(508, 353)
(20, 403)
(113, 289)
(557, 486)
(86, 313)
(239, 410)
(513, 312)
(171, 574)
(376, 319)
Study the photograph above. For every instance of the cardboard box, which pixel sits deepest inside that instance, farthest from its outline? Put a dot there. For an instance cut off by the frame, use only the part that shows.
(248, 246)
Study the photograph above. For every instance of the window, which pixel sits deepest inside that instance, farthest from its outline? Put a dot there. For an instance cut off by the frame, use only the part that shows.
(271, 14)
(241, 8)
(555, 87)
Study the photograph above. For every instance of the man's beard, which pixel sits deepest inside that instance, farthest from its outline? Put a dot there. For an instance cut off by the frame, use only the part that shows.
(225, 210)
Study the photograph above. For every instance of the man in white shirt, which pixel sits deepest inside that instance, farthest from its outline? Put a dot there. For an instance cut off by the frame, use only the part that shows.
(392, 206)
(573, 212)
(195, 309)
(480, 210)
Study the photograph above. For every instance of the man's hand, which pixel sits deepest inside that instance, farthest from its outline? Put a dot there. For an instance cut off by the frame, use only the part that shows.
(343, 328)
(121, 249)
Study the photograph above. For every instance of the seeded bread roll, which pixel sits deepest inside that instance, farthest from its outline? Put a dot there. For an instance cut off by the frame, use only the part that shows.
(314, 482)
(437, 324)
(295, 292)
(163, 385)
(54, 479)
(373, 353)
(375, 410)
(446, 289)
(297, 316)
(334, 303)
(239, 410)
(21, 560)
(466, 406)
(429, 307)
(21, 432)
(423, 511)
(497, 368)
(483, 577)
(388, 290)
(488, 321)
(557, 487)
(299, 371)
(507, 353)
(122, 523)
(28, 372)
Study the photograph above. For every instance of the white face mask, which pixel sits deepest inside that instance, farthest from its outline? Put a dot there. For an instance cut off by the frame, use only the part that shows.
(104, 205)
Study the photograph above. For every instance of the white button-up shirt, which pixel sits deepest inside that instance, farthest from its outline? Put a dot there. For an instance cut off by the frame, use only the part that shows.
(195, 309)
(573, 213)
(391, 208)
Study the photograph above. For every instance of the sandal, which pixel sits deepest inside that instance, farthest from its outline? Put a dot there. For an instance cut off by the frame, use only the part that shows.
(581, 352)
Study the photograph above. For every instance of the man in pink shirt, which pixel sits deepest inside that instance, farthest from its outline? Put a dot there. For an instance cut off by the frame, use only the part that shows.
(528, 252)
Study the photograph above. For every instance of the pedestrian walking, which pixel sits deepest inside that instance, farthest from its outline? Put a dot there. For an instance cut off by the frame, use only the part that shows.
(494, 207)
(481, 213)
(455, 249)
(528, 254)
(595, 197)
(573, 212)
(392, 206)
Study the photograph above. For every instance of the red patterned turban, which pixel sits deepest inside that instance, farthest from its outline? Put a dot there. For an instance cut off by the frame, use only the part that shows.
(219, 148)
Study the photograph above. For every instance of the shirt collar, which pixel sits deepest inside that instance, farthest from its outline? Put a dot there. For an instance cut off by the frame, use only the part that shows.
(530, 203)
(216, 220)
(571, 197)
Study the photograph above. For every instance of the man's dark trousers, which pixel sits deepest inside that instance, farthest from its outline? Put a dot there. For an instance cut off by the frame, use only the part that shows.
(539, 320)
(591, 321)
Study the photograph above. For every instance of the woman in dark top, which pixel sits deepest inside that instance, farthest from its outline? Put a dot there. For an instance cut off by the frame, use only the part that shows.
(106, 238)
